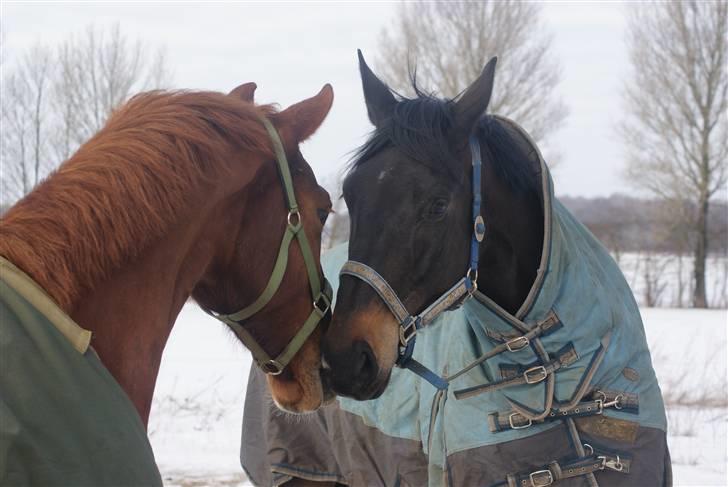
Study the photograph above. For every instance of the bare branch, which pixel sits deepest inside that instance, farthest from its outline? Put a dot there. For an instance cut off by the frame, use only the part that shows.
(676, 129)
(449, 43)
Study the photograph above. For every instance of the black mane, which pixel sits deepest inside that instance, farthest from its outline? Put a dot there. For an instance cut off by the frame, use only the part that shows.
(419, 127)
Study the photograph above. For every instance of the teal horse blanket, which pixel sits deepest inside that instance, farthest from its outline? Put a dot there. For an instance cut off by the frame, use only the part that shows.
(64, 420)
(588, 361)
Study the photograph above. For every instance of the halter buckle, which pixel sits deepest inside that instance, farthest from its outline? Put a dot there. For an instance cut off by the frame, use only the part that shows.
(479, 228)
(407, 331)
(271, 367)
(294, 219)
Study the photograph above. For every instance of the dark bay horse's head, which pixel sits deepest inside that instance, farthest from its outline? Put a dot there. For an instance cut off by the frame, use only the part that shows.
(409, 201)
(255, 221)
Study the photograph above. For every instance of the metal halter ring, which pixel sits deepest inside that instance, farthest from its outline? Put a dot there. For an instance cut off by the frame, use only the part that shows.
(407, 331)
(295, 215)
(271, 367)
(322, 299)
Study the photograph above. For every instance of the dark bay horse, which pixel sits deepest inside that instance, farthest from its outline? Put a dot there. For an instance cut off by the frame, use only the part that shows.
(481, 335)
(181, 194)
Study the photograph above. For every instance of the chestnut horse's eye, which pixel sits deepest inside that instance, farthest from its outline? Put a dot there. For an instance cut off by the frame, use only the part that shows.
(438, 208)
(323, 215)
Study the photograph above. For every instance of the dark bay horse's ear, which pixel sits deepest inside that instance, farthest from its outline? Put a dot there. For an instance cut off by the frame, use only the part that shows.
(473, 103)
(379, 99)
(245, 92)
(303, 118)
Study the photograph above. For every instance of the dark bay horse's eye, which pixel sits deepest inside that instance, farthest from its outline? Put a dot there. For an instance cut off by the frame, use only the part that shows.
(323, 215)
(438, 208)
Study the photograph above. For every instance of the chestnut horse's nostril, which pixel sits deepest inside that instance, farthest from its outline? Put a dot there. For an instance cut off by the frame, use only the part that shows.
(353, 371)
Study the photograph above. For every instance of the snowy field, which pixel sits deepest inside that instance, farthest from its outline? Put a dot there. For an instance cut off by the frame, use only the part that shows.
(197, 412)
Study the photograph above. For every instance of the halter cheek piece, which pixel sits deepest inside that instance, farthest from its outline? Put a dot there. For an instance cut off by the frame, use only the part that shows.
(321, 295)
(454, 297)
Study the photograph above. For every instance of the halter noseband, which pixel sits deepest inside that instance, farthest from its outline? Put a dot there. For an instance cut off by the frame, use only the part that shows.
(455, 296)
(321, 295)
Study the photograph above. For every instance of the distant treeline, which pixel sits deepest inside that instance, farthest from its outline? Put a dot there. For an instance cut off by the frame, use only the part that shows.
(627, 224)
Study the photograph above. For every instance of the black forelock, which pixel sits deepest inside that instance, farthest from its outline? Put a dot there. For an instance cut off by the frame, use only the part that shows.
(419, 127)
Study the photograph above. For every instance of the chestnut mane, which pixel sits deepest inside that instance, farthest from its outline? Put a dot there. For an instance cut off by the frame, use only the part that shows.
(126, 187)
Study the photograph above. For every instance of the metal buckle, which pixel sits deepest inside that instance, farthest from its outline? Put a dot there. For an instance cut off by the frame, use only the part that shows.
(518, 343)
(534, 375)
(479, 228)
(472, 274)
(591, 449)
(316, 304)
(407, 331)
(615, 402)
(515, 427)
(294, 214)
(271, 367)
(610, 463)
(541, 482)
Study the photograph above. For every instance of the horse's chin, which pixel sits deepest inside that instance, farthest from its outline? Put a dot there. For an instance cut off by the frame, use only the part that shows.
(298, 396)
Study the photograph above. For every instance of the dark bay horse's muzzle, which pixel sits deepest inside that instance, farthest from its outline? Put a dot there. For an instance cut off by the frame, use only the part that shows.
(354, 372)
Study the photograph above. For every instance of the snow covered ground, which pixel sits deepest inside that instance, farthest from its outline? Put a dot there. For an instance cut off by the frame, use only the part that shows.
(197, 412)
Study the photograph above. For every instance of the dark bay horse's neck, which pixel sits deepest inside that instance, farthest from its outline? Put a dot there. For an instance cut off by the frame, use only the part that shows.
(511, 253)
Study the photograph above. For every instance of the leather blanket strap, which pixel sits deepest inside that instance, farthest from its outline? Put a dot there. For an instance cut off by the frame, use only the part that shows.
(322, 294)
(600, 400)
(555, 471)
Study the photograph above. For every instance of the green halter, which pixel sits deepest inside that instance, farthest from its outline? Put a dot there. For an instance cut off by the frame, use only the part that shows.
(321, 296)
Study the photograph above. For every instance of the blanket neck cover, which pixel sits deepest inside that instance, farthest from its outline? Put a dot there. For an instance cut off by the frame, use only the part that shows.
(577, 345)
(64, 420)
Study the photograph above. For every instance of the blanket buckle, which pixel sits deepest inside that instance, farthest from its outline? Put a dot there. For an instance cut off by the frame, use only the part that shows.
(518, 343)
(541, 478)
(516, 426)
(534, 375)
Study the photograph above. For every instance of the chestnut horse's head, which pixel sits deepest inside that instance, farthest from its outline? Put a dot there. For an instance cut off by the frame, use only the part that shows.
(266, 281)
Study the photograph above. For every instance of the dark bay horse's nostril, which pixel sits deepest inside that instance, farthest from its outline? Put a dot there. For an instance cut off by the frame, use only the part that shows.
(365, 369)
(353, 371)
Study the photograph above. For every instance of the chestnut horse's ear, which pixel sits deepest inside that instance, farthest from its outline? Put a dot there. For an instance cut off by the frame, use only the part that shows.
(473, 103)
(303, 118)
(377, 95)
(245, 92)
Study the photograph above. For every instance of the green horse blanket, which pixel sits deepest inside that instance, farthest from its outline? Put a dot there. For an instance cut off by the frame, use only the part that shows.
(64, 420)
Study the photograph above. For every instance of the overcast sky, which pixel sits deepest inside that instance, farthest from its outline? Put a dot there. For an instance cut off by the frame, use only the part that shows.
(290, 50)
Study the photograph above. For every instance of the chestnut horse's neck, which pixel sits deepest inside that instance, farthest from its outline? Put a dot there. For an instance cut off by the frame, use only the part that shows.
(121, 233)
(132, 313)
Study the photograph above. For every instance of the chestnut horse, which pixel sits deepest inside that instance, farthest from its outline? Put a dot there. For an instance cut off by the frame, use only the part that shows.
(178, 196)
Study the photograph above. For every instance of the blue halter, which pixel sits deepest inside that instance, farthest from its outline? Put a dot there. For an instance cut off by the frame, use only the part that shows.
(454, 297)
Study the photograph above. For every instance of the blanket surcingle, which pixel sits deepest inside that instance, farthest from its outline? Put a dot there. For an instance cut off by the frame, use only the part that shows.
(576, 404)
(64, 420)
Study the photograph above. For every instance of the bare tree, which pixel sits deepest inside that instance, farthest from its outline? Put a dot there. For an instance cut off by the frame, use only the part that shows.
(676, 132)
(52, 101)
(449, 43)
(26, 123)
(97, 72)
